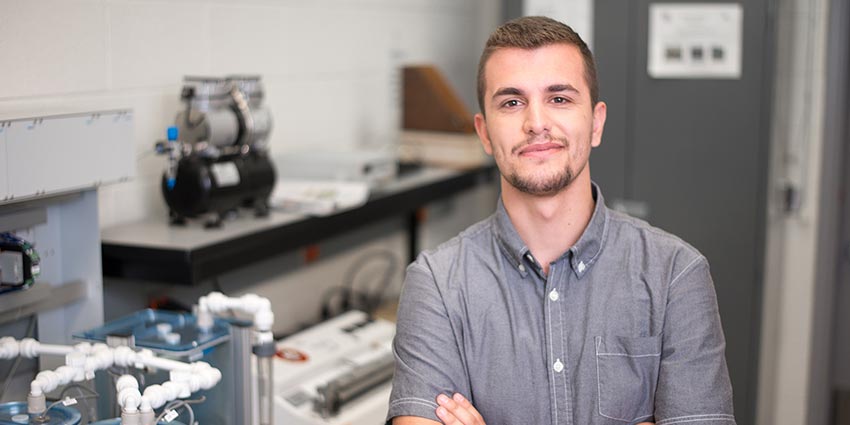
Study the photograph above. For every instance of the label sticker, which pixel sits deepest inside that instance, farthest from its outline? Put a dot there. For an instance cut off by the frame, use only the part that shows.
(225, 173)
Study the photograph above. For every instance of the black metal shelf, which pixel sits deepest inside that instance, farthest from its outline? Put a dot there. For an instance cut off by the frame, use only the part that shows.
(126, 256)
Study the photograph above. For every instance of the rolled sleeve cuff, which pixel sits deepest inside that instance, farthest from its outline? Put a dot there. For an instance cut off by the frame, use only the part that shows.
(411, 406)
(710, 419)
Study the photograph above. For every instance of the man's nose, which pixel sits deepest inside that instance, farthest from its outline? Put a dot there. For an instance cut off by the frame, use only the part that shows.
(536, 119)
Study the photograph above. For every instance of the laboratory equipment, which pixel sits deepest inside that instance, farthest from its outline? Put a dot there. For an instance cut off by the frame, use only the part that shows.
(337, 372)
(19, 263)
(261, 341)
(156, 358)
(83, 360)
(217, 150)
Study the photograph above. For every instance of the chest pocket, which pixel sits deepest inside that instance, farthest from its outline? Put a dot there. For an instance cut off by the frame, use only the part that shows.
(627, 373)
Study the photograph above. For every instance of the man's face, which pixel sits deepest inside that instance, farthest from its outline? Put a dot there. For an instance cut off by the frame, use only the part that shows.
(540, 124)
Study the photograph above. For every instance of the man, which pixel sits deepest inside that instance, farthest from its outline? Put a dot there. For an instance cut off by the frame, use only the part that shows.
(555, 310)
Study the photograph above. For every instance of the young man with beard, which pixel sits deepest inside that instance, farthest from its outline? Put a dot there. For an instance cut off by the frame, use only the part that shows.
(555, 310)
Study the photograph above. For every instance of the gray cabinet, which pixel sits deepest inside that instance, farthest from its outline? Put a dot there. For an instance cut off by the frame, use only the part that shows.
(693, 154)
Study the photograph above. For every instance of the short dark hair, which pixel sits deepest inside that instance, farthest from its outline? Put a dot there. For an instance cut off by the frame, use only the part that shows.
(531, 32)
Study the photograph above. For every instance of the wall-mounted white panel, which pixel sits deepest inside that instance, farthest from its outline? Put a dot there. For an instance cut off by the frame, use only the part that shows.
(4, 168)
(57, 154)
(52, 47)
(28, 159)
(156, 43)
(113, 141)
(72, 151)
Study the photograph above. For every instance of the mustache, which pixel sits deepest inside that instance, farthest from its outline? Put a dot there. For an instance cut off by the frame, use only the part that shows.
(539, 139)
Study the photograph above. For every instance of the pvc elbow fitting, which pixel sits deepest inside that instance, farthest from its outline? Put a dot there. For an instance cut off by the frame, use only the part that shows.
(129, 399)
(126, 381)
(263, 320)
(155, 395)
(9, 348)
(45, 381)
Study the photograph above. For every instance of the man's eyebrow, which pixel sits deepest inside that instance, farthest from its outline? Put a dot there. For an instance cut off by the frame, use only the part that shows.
(554, 88)
(508, 91)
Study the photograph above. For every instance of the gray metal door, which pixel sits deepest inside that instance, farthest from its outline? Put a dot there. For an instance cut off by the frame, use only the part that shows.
(693, 152)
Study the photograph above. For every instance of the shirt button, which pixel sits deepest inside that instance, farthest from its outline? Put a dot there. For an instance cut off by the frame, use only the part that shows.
(558, 366)
(581, 266)
(522, 268)
(554, 295)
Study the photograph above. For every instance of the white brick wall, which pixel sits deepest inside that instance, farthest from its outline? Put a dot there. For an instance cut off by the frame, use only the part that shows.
(329, 66)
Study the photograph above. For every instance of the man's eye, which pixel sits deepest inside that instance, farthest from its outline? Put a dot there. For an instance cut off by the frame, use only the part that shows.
(511, 103)
(560, 99)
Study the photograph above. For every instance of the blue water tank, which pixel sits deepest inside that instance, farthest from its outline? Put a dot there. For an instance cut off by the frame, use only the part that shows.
(15, 413)
(117, 421)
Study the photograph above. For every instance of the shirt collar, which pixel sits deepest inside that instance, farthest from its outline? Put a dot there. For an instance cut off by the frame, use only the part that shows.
(581, 257)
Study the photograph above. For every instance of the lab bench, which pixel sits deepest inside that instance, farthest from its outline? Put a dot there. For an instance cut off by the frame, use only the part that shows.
(152, 249)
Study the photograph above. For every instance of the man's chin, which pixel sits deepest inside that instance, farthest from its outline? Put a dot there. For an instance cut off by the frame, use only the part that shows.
(540, 187)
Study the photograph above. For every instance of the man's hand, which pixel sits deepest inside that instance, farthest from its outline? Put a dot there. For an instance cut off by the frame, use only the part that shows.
(457, 411)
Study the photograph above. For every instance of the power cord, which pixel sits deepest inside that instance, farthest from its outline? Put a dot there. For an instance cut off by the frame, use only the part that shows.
(349, 296)
(176, 404)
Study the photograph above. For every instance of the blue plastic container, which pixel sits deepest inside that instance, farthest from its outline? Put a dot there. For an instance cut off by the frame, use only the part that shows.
(15, 413)
(145, 328)
(117, 421)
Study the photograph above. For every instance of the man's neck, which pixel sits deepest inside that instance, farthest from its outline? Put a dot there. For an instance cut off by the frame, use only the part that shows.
(550, 225)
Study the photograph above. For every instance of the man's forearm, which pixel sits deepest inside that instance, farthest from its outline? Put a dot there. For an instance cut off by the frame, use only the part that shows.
(412, 420)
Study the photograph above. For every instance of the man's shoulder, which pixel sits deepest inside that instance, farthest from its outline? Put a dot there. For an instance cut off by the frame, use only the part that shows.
(474, 237)
(627, 231)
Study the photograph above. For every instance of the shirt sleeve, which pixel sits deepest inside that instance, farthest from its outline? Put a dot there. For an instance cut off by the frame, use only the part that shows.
(693, 383)
(427, 358)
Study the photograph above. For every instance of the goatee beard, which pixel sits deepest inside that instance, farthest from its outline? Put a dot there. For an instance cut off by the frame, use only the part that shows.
(549, 186)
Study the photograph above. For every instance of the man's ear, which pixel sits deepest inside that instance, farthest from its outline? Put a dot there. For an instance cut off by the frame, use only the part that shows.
(481, 129)
(600, 112)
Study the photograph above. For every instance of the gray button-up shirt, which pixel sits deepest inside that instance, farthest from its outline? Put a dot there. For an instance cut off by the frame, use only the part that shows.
(623, 329)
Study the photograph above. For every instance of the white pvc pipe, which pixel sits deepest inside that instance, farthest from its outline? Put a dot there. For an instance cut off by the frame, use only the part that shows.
(161, 363)
(216, 302)
(31, 348)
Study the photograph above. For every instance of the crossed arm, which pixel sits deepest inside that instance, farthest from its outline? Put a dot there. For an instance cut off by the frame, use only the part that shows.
(456, 410)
